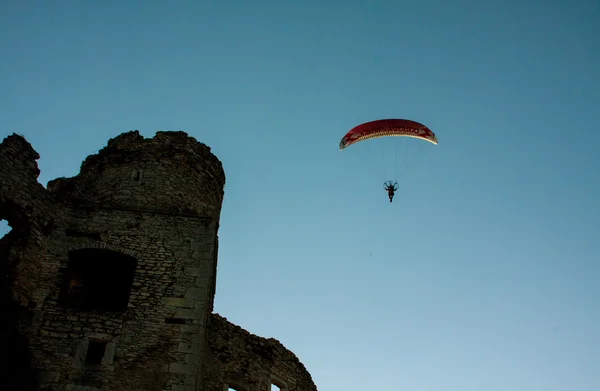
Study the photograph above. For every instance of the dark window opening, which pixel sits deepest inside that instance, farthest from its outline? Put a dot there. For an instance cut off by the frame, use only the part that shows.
(4, 228)
(95, 352)
(97, 280)
(177, 321)
(13, 220)
(136, 176)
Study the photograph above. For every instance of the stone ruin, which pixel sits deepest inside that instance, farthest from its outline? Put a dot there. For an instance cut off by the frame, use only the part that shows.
(107, 279)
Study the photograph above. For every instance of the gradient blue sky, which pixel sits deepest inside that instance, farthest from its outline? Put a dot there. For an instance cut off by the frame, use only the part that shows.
(484, 272)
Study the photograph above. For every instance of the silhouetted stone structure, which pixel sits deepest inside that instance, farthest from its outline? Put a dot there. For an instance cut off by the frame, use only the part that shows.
(108, 278)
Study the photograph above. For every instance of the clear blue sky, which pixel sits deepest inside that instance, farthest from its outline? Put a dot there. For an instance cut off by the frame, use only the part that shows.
(484, 272)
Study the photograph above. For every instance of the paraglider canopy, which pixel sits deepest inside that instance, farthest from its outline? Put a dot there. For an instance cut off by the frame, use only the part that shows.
(386, 128)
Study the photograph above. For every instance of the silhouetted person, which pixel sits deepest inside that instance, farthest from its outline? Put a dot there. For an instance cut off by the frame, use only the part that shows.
(391, 189)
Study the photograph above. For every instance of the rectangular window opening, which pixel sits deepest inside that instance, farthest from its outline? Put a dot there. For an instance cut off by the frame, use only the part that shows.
(176, 321)
(97, 280)
(95, 352)
(275, 387)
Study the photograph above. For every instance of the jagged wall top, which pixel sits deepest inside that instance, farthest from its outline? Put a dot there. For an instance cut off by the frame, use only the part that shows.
(160, 145)
(170, 172)
(245, 360)
(20, 154)
(20, 193)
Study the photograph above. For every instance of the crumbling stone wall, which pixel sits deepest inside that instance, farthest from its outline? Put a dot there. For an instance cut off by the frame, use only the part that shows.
(27, 207)
(170, 173)
(157, 200)
(142, 216)
(248, 362)
(157, 340)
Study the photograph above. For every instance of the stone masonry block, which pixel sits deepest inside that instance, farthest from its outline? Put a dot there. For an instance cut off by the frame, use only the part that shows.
(49, 376)
(178, 302)
(190, 381)
(195, 293)
(201, 255)
(201, 282)
(109, 354)
(188, 348)
(188, 314)
(199, 304)
(186, 329)
(200, 246)
(192, 271)
(191, 359)
(182, 369)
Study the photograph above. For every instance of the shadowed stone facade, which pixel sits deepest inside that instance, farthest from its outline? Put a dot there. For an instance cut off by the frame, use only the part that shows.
(107, 279)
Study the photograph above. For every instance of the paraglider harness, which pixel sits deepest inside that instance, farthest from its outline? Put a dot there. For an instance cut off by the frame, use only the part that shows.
(391, 188)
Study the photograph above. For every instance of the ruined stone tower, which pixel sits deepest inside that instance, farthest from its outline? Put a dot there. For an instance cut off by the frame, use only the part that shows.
(109, 276)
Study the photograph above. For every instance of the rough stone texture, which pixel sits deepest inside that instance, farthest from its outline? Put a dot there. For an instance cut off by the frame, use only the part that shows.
(150, 203)
(248, 362)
